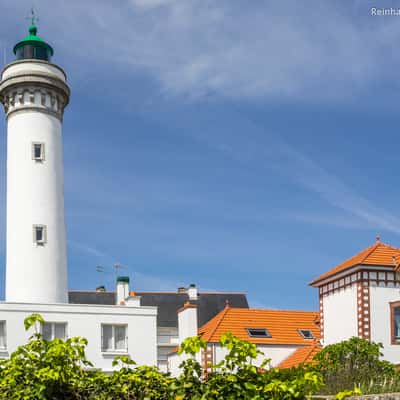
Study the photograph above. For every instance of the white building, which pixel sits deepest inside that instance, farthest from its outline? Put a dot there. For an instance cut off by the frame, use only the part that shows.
(209, 304)
(34, 93)
(361, 297)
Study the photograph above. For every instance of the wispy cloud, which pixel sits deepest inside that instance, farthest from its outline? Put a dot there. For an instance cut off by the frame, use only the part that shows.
(337, 193)
(89, 250)
(198, 48)
(346, 221)
(267, 151)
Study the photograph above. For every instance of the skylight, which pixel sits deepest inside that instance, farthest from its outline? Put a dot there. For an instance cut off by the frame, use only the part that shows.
(258, 332)
(307, 334)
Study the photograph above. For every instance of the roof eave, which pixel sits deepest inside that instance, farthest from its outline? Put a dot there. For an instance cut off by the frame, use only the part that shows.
(357, 267)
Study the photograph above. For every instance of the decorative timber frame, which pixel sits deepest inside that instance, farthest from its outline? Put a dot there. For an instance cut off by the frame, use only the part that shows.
(363, 310)
(363, 279)
(207, 359)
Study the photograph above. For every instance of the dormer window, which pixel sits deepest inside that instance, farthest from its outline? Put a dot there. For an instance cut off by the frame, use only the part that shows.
(307, 334)
(38, 151)
(258, 332)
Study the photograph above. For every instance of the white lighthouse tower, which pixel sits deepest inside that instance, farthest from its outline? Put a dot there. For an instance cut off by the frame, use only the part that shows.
(34, 94)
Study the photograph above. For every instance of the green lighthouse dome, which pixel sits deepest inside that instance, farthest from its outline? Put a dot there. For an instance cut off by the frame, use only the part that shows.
(33, 47)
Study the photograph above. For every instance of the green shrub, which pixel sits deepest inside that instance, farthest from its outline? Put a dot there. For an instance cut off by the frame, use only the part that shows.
(356, 363)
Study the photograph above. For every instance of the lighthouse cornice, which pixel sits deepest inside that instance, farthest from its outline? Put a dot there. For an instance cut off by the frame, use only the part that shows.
(36, 62)
(34, 87)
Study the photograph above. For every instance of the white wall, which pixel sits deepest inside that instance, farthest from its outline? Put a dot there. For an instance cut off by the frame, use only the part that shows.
(340, 315)
(380, 297)
(276, 353)
(187, 322)
(85, 321)
(174, 361)
(35, 196)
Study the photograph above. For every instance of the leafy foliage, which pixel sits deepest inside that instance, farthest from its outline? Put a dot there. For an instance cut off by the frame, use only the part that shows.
(355, 363)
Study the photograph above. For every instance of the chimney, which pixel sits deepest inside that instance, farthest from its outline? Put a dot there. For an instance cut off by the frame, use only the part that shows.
(192, 292)
(133, 300)
(181, 289)
(101, 288)
(187, 321)
(122, 289)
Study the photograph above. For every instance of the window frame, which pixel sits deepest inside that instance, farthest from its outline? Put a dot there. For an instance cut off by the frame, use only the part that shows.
(53, 329)
(393, 305)
(4, 323)
(267, 333)
(113, 349)
(42, 151)
(44, 234)
(304, 336)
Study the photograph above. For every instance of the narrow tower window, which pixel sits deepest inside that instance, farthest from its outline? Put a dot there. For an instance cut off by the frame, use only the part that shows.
(38, 151)
(39, 234)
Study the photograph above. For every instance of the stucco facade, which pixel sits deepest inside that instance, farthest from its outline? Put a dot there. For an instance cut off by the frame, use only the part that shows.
(380, 298)
(86, 321)
(340, 315)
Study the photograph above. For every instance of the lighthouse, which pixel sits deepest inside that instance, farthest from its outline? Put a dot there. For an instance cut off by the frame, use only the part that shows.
(34, 94)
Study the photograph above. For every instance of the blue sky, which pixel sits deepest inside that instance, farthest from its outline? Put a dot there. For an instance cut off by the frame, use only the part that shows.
(239, 148)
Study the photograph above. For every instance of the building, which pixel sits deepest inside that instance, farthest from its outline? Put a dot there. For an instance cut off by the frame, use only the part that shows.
(361, 297)
(209, 304)
(34, 93)
(287, 338)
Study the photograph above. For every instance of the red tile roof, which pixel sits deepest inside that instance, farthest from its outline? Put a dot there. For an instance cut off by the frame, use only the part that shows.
(378, 254)
(282, 325)
(302, 355)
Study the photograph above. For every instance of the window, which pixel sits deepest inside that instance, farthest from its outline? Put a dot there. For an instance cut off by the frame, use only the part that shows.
(395, 322)
(3, 335)
(258, 332)
(307, 334)
(39, 234)
(38, 151)
(114, 338)
(54, 330)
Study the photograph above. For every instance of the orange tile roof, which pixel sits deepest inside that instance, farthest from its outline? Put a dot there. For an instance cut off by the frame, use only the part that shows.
(377, 254)
(300, 356)
(282, 325)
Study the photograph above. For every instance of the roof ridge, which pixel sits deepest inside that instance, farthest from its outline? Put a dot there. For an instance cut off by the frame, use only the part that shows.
(220, 316)
(390, 246)
(308, 352)
(90, 291)
(273, 310)
(291, 355)
(311, 349)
